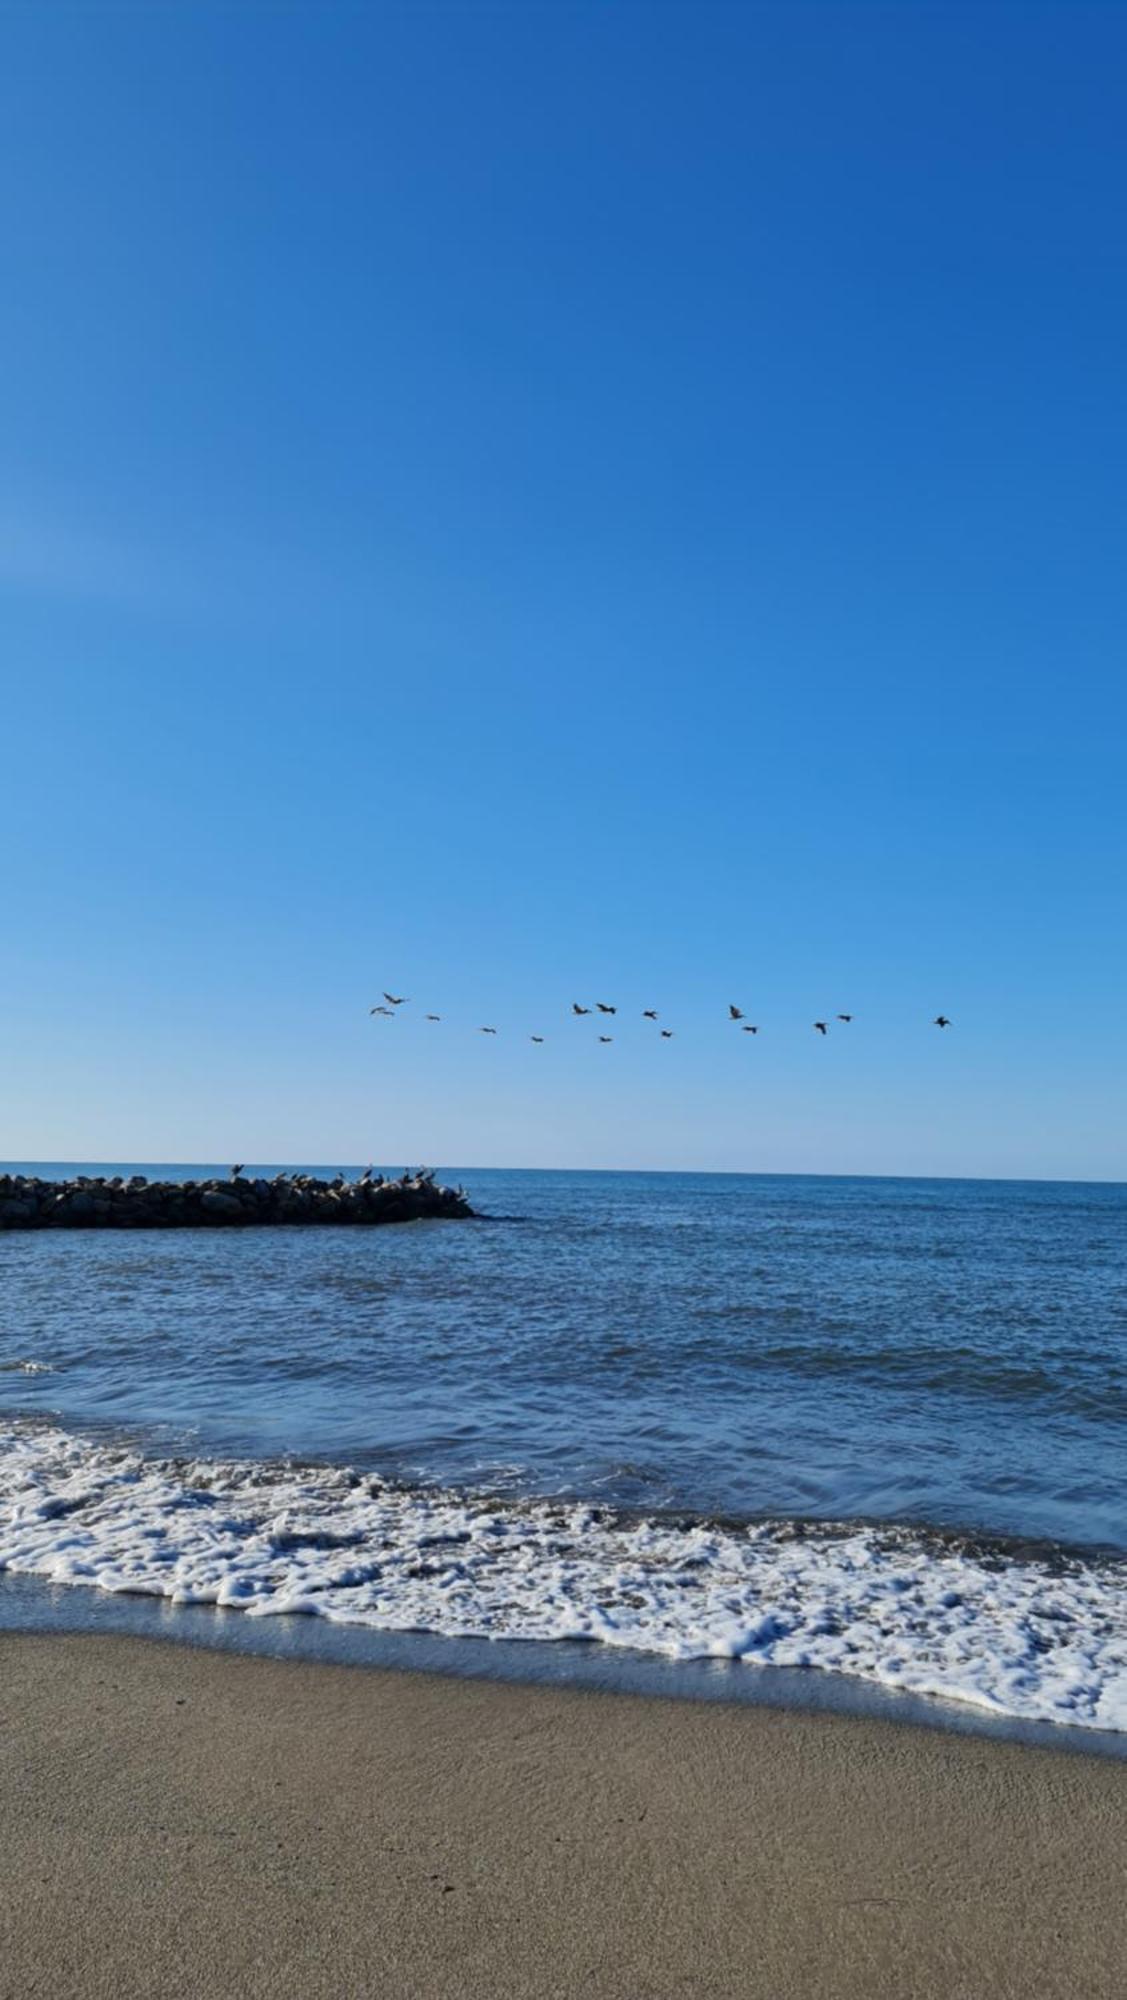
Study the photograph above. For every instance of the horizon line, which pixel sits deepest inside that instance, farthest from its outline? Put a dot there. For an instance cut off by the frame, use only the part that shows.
(684, 1173)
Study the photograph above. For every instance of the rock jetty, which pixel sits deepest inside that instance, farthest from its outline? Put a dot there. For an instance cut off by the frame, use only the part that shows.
(95, 1202)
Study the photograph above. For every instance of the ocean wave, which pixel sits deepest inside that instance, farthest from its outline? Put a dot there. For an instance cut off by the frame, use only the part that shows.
(1038, 1635)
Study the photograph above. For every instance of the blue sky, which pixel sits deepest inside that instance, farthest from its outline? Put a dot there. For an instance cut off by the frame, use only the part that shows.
(523, 503)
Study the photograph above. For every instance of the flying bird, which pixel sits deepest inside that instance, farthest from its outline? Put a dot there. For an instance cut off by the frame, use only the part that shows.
(536, 1038)
(667, 1034)
(845, 1017)
(382, 1010)
(487, 1031)
(750, 1028)
(606, 1038)
(821, 1027)
(434, 1017)
(395, 1000)
(649, 1014)
(941, 1021)
(577, 1009)
(604, 1009)
(735, 1013)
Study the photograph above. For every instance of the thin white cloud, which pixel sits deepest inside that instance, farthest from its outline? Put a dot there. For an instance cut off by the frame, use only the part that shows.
(47, 556)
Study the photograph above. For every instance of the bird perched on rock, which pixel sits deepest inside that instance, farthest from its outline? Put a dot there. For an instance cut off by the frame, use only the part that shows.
(821, 1027)
(941, 1021)
(396, 999)
(366, 1175)
(577, 1009)
(235, 1172)
(734, 1013)
(604, 1009)
(649, 1013)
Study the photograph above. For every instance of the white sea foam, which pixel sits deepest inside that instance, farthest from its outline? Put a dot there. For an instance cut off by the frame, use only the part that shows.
(1040, 1640)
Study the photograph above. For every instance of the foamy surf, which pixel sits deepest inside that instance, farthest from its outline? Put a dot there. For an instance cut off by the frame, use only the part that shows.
(1037, 1639)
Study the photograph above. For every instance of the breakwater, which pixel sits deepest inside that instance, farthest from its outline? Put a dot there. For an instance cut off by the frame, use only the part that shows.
(97, 1202)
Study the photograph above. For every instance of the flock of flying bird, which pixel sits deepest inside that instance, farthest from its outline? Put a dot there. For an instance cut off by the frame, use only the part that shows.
(393, 1001)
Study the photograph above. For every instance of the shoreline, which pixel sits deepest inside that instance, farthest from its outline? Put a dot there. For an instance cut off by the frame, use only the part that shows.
(1027, 1640)
(182, 1822)
(33, 1606)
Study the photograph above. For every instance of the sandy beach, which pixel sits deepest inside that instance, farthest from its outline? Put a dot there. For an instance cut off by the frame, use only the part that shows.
(176, 1822)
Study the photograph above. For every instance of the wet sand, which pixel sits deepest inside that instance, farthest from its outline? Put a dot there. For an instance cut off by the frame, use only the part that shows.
(176, 1822)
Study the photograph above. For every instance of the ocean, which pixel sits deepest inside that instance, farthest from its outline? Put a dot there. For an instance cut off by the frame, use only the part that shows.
(874, 1429)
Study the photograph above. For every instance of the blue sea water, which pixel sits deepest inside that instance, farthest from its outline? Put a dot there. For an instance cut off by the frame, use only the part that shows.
(827, 1373)
(916, 1351)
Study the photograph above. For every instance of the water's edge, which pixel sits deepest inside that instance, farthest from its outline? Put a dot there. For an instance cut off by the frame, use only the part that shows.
(34, 1608)
(1029, 1637)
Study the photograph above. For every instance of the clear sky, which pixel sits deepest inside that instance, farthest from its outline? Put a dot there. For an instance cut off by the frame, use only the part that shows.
(522, 503)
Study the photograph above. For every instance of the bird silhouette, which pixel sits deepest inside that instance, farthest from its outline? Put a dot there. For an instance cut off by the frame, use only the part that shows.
(941, 1021)
(366, 1175)
(735, 1013)
(606, 1038)
(382, 1010)
(845, 1017)
(604, 1009)
(235, 1172)
(487, 1031)
(649, 1014)
(536, 1038)
(434, 1017)
(821, 1027)
(577, 1009)
(395, 1000)
(750, 1028)
(667, 1034)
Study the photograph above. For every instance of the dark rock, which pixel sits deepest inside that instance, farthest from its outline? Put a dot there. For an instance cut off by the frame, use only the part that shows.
(216, 1202)
(301, 1199)
(81, 1203)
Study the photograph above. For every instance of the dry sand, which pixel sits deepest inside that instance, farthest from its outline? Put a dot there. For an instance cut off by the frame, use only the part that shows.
(174, 1822)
